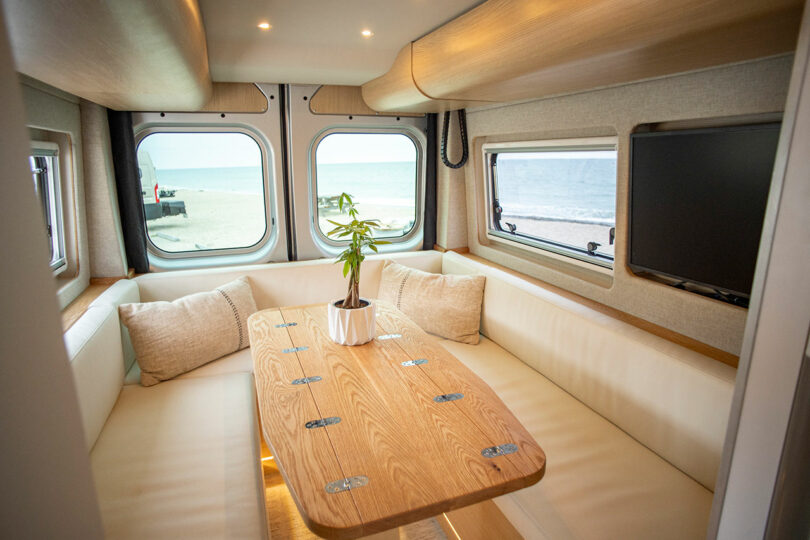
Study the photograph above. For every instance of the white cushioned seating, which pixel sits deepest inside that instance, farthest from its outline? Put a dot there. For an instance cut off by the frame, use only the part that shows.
(632, 424)
(238, 362)
(671, 399)
(182, 460)
(599, 482)
(93, 345)
(178, 460)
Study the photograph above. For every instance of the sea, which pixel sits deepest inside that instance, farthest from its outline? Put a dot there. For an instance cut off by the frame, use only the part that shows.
(581, 190)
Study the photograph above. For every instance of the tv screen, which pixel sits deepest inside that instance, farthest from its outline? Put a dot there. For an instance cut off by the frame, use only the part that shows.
(697, 201)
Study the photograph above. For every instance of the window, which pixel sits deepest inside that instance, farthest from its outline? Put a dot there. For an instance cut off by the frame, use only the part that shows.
(202, 191)
(558, 196)
(379, 171)
(44, 162)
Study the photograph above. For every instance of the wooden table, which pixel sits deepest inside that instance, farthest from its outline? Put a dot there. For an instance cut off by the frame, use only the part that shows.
(376, 436)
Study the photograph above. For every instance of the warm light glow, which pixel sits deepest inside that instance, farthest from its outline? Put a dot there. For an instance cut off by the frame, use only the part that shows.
(267, 458)
(265, 25)
(367, 33)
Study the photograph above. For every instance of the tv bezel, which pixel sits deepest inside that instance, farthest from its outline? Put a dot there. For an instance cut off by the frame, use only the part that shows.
(678, 132)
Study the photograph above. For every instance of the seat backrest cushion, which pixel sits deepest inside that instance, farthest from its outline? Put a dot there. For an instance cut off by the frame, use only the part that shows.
(93, 345)
(283, 284)
(123, 291)
(673, 400)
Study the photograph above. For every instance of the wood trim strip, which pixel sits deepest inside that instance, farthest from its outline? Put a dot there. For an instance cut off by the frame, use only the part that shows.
(655, 329)
(460, 250)
(79, 305)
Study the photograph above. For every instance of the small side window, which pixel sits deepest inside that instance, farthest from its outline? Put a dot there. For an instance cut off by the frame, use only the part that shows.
(559, 196)
(379, 171)
(202, 191)
(44, 161)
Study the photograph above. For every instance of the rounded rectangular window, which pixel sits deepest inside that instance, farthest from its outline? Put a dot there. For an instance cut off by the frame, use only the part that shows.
(202, 191)
(379, 171)
(557, 197)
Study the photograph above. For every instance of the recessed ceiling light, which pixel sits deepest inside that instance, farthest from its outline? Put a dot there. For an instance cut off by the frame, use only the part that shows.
(265, 25)
(367, 33)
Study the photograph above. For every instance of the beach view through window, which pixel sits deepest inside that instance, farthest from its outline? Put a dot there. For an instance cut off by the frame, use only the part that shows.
(202, 191)
(566, 197)
(378, 170)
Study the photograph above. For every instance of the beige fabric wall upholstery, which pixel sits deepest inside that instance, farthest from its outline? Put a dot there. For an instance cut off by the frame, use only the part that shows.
(51, 109)
(671, 399)
(93, 345)
(451, 203)
(283, 284)
(751, 88)
(446, 306)
(171, 338)
(106, 242)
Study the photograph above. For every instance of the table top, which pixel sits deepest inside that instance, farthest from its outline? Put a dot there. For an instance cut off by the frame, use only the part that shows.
(375, 436)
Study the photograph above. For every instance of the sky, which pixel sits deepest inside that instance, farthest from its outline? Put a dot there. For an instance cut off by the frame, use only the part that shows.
(201, 150)
(365, 148)
(205, 150)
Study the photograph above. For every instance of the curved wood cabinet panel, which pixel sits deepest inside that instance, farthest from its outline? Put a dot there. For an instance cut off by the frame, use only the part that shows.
(397, 91)
(141, 56)
(507, 50)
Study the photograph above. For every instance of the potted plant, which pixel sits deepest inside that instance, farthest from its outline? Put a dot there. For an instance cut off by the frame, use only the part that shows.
(352, 319)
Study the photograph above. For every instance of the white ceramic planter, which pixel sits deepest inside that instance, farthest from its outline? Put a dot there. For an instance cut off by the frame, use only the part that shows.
(352, 326)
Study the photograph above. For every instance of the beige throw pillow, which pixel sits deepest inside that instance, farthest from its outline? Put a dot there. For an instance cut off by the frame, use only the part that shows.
(171, 338)
(445, 305)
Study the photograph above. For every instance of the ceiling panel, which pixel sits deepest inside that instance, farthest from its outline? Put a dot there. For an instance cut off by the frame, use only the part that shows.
(316, 41)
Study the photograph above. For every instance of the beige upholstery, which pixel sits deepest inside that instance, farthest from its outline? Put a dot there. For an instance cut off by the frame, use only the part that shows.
(283, 284)
(599, 482)
(671, 399)
(172, 338)
(238, 362)
(93, 345)
(446, 306)
(182, 460)
(123, 291)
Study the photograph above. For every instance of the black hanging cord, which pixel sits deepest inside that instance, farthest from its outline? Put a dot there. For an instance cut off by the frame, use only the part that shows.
(462, 128)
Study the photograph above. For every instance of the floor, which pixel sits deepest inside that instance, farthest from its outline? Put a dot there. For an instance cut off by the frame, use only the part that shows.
(285, 522)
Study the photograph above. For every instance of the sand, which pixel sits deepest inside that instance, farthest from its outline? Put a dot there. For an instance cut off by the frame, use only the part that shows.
(215, 220)
(220, 220)
(574, 234)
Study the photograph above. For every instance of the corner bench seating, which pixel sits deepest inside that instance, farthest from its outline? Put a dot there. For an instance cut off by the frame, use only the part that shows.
(632, 425)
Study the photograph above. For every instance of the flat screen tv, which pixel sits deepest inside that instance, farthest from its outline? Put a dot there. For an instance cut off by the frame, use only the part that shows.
(697, 202)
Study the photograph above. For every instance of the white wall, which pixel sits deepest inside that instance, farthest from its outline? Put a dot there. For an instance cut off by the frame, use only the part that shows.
(776, 332)
(47, 489)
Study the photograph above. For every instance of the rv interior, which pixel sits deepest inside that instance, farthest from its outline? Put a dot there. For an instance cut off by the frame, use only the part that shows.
(572, 290)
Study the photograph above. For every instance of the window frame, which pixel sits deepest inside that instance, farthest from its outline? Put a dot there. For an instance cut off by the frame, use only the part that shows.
(528, 242)
(267, 240)
(52, 202)
(396, 243)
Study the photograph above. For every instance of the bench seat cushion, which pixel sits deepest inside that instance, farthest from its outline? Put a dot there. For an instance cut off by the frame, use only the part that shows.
(238, 362)
(182, 460)
(600, 482)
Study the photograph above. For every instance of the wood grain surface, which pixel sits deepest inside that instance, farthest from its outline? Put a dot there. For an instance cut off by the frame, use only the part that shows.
(346, 100)
(508, 50)
(304, 456)
(235, 98)
(421, 457)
